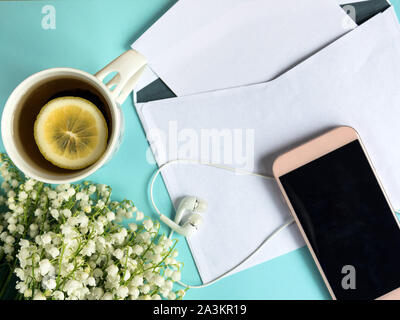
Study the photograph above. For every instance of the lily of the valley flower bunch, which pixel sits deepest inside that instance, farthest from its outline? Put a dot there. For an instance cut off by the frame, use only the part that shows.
(67, 242)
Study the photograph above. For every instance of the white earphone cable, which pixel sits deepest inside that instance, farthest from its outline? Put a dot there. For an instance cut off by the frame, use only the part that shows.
(283, 226)
(223, 167)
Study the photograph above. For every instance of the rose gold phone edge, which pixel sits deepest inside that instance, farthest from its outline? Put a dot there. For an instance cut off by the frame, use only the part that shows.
(313, 150)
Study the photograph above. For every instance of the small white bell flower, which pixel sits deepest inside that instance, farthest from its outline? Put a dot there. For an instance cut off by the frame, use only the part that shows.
(107, 296)
(44, 266)
(122, 292)
(39, 296)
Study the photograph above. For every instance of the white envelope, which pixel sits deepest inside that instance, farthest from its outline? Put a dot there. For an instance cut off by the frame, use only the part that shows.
(354, 81)
(207, 45)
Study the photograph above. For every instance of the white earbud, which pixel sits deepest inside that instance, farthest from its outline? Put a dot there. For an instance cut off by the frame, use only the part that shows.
(194, 220)
(191, 204)
(189, 227)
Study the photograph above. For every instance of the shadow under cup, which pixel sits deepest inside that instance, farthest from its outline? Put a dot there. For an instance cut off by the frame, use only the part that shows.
(29, 106)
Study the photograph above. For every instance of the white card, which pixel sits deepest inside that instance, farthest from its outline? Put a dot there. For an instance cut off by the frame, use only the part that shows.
(205, 45)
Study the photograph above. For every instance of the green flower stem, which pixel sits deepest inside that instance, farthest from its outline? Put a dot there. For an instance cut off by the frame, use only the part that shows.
(33, 275)
(166, 256)
(3, 280)
(8, 279)
(5, 285)
(152, 242)
(45, 218)
(59, 265)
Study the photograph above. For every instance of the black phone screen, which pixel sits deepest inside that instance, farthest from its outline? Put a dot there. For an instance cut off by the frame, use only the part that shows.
(348, 222)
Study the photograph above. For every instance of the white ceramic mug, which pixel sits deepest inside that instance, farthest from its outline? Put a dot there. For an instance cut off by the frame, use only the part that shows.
(128, 67)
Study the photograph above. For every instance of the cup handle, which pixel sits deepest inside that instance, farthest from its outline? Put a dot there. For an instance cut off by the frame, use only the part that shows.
(129, 67)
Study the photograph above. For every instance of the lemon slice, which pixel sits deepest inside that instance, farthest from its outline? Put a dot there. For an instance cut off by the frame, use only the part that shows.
(71, 132)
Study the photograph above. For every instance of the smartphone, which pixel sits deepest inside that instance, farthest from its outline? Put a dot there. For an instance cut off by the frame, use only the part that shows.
(344, 215)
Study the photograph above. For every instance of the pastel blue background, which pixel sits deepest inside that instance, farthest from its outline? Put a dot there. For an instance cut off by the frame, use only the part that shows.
(88, 35)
